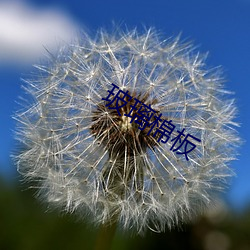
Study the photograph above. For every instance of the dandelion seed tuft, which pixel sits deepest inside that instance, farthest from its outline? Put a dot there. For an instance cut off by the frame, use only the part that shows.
(111, 160)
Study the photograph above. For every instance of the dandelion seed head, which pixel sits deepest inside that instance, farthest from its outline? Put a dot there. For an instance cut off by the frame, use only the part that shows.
(89, 158)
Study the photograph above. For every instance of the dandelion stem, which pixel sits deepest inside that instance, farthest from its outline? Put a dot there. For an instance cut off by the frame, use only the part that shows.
(105, 236)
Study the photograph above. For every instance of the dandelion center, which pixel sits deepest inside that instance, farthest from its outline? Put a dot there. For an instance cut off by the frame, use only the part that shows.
(117, 132)
(130, 127)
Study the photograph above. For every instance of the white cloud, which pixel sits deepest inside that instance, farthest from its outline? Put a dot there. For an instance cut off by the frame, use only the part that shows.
(25, 31)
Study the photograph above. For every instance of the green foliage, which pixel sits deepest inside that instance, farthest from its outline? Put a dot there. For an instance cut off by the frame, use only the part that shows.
(25, 226)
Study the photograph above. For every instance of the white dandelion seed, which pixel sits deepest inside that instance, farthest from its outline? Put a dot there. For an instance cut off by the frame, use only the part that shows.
(87, 158)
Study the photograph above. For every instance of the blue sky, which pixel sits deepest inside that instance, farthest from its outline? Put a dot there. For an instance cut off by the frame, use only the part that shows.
(221, 27)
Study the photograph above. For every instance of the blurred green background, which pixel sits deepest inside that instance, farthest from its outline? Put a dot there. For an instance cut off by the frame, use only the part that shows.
(219, 26)
(27, 225)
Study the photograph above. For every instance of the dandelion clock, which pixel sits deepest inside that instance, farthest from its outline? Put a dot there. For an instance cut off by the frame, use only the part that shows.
(127, 128)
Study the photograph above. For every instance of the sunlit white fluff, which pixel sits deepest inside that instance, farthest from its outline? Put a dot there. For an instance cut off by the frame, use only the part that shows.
(77, 172)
